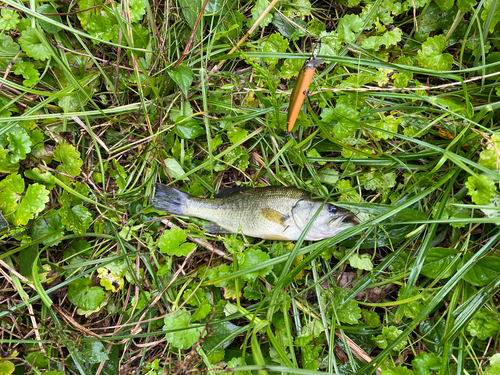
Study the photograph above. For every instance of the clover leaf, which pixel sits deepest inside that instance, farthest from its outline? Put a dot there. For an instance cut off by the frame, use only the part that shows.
(19, 144)
(41, 175)
(483, 325)
(16, 210)
(481, 189)
(491, 155)
(88, 299)
(487, 13)
(69, 157)
(236, 134)
(172, 242)
(73, 215)
(431, 56)
(9, 19)
(425, 362)
(112, 275)
(361, 262)
(48, 228)
(137, 10)
(453, 212)
(85, 16)
(29, 73)
(345, 119)
(388, 123)
(389, 335)
(349, 26)
(101, 27)
(183, 338)
(258, 9)
(250, 258)
(31, 44)
(275, 43)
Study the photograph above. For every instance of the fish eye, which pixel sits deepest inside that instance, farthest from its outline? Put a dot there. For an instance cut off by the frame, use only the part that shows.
(332, 209)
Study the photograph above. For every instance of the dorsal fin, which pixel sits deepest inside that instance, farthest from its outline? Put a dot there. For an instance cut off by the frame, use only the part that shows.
(228, 191)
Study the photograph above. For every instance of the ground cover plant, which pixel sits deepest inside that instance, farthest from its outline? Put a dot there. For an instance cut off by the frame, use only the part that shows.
(101, 100)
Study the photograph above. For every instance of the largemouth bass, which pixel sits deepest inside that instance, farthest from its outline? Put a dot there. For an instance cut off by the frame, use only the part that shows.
(273, 213)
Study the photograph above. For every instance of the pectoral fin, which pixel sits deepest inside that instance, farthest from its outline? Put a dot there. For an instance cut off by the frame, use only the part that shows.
(274, 216)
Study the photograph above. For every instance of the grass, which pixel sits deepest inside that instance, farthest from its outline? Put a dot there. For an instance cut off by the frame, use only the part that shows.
(401, 127)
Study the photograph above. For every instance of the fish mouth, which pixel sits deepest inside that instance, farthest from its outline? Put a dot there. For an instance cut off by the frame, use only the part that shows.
(348, 219)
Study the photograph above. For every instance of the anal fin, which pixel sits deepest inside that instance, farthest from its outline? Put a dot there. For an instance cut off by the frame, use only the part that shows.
(212, 227)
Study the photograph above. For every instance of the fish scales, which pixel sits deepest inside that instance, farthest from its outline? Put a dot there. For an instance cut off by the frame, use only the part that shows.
(271, 213)
(246, 210)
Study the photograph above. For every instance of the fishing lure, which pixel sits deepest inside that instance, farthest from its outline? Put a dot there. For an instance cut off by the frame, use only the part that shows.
(300, 88)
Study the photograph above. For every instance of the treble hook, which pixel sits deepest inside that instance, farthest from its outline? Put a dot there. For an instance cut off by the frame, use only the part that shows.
(316, 49)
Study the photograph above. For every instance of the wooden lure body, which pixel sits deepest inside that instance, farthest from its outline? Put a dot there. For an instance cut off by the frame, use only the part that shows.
(300, 90)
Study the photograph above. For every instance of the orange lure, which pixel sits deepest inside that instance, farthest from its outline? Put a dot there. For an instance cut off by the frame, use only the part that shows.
(300, 88)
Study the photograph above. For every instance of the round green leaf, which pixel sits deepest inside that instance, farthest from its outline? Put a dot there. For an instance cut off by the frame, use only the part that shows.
(188, 129)
(183, 76)
(483, 271)
(31, 44)
(185, 338)
(7, 367)
(9, 19)
(85, 297)
(438, 259)
(172, 243)
(49, 27)
(483, 325)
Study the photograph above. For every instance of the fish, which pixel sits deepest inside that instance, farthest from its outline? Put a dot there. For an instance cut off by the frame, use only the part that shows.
(300, 90)
(271, 213)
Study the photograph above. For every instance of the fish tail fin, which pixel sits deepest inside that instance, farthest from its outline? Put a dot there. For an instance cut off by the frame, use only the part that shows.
(168, 199)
